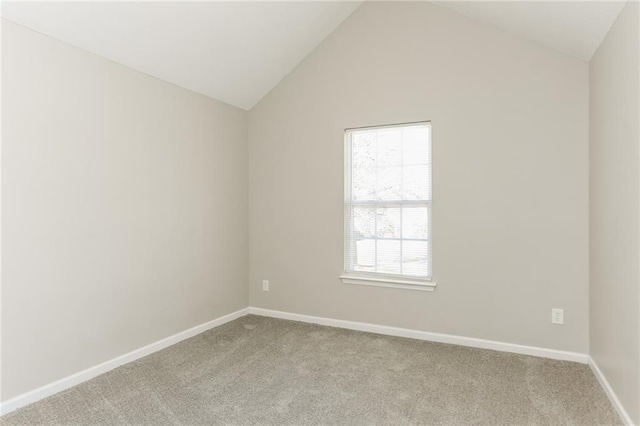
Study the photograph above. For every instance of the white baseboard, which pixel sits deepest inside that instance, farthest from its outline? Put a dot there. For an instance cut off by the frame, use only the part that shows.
(610, 393)
(425, 335)
(77, 378)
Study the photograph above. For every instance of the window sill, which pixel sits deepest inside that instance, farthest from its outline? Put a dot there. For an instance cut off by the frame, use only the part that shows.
(402, 283)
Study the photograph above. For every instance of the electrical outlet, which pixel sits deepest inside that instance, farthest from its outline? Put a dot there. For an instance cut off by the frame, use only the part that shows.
(557, 316)
(265, 285)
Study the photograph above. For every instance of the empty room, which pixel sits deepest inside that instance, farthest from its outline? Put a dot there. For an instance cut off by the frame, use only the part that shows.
(320, 213)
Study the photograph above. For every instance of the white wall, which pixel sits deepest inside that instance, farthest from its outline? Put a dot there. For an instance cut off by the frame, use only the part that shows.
(510, 146)
(124, 210)
(614, 208)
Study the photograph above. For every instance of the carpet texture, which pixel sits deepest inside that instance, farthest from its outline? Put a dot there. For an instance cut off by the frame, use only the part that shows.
(258, 370)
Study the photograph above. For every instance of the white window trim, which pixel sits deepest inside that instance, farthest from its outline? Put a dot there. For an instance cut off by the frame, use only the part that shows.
(377, 279)
(381, 280)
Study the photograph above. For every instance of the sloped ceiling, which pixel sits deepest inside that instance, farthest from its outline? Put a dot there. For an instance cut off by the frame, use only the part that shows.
(576, 28)
(237, 51)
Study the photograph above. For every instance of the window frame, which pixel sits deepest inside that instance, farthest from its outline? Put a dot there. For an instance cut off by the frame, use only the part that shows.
(380, 279)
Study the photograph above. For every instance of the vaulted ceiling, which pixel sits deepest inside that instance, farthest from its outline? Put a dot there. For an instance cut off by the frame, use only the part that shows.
(570, 26)
(237, 51)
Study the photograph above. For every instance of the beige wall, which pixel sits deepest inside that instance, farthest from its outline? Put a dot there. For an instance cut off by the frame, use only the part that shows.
(614, 210)
(510, 146)
(124, 210)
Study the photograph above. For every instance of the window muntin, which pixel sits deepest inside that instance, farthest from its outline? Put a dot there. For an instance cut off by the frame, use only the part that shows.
(388, 202)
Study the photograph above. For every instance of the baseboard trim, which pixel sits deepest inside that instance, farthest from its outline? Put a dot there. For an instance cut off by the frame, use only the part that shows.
(610, 393)
(426, 335)
(91, 372)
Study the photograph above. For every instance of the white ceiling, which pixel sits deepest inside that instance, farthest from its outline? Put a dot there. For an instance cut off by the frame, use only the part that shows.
(576, 28)
(237, 51)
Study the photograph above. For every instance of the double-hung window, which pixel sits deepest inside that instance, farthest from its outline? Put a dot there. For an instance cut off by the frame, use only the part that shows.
(388, 206)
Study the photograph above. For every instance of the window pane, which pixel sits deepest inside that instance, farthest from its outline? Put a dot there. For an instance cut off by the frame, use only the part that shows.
(388, 256)
(389, 184)
(389, 147)
(364, 183)
(415, 145)
(415, 222)
(415, 183)
(415, 256)
(364, 222)
(363, 149)
(365, 255)
(388, 222)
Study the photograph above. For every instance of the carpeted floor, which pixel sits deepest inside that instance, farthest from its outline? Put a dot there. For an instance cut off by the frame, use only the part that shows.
(258, 370)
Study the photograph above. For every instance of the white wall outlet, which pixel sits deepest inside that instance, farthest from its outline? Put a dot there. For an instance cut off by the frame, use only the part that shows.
(265, 285)
(557, 316)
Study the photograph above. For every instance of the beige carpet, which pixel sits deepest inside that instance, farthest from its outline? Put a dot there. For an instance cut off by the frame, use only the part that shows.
(258, 370)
